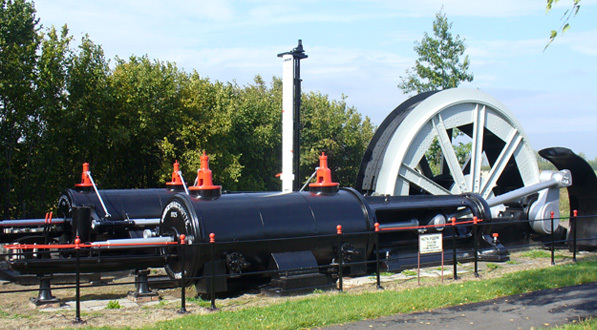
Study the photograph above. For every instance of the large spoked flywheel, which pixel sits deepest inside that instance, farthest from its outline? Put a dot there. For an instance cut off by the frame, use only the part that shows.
(448, 142)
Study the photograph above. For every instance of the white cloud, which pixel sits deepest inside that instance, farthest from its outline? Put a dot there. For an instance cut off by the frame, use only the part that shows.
(584, 42)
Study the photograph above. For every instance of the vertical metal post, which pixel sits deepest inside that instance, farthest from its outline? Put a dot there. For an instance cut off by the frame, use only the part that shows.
(183, 284)
(475, 220)
(377, 266)
(291, 122)
(340, 257)
(419, 262)
(575, 213)
(77, 282)
(454, 258)
(551, 215)
(212, 282)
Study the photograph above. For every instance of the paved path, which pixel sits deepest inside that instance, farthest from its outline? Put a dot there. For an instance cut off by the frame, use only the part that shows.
(541, 309)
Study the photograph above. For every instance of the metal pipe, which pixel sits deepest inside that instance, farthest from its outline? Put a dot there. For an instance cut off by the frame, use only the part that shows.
(128, 222)
(559, 179)
(310, 178)
(411, 223)
(107, 214)
(184, 185)
(29, 222)
(127, 243)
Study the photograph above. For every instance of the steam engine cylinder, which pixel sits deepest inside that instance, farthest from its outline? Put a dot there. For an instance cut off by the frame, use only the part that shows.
(243, 218)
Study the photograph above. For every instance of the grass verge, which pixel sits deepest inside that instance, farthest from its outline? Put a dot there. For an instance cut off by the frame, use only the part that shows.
(328, 309)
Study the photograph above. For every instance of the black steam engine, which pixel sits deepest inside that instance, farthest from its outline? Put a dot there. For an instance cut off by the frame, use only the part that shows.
(276, 232)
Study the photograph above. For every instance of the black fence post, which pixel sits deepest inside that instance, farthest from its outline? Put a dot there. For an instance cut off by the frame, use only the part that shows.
(551, 216)
(212, 281)
(475, 229)
(454, 258)
(377, 266)
(575, 213)
(183, 297)
(77, 282)
(340, 257)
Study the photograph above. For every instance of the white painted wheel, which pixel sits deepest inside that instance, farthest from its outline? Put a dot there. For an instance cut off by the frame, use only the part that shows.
(500, 158)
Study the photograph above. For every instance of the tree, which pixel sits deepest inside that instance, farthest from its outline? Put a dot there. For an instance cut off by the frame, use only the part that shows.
(19, 116)
(439, 65)
(568, 14)
(332, 127)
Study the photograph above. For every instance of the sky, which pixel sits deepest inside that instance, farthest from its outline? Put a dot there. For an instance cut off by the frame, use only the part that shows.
(360, 49)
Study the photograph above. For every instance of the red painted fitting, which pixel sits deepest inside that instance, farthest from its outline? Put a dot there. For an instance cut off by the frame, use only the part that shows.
(324, 183)
(475, 220)
(77, 242)
(212, 238)
(205, 186)
(575, 212)
(324, 174)
(376, 225)
(183, 238)
(453, 221)
(85, 180)
(339, 229)
(176, 181)
(495, 237)
(551, 214)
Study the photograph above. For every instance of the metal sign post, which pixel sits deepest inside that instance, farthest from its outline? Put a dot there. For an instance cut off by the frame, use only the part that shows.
(291, 117)
(430, 243)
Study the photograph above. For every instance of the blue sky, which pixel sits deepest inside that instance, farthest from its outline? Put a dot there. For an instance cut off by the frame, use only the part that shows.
(361, 48)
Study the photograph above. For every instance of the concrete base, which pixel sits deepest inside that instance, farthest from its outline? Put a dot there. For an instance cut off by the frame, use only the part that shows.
(46, 303)
(140, 298)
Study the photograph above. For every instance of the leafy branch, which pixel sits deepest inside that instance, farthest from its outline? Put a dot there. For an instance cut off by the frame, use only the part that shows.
(568, 14)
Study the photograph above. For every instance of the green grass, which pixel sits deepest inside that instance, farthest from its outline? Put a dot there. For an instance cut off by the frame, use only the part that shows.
(491, 266)
(327, 309)
(537, 254)
(409, 272)
(113, 304)
(199, 301)
(587, 324)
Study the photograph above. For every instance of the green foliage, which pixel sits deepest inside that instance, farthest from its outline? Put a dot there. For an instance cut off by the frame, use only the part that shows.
(439, 65)
(61, 106)
(113, 304)
(566, 16)
(336, 129)
(20, 118)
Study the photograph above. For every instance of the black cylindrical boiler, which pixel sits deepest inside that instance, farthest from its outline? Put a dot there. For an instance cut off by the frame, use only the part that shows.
(248, 219)
(131, 210)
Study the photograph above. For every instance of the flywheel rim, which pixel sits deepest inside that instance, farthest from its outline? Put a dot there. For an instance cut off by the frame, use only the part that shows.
(394, 156)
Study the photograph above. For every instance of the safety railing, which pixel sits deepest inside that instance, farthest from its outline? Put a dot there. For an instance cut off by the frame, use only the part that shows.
(179, 248)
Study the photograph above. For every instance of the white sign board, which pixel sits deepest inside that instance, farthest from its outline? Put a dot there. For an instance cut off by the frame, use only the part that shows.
(430, 243)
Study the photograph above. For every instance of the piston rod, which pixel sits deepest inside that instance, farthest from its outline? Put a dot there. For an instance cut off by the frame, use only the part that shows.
(127, 243)
(559, 179)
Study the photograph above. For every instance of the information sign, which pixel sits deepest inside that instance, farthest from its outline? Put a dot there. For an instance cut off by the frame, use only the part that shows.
(430, 243)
